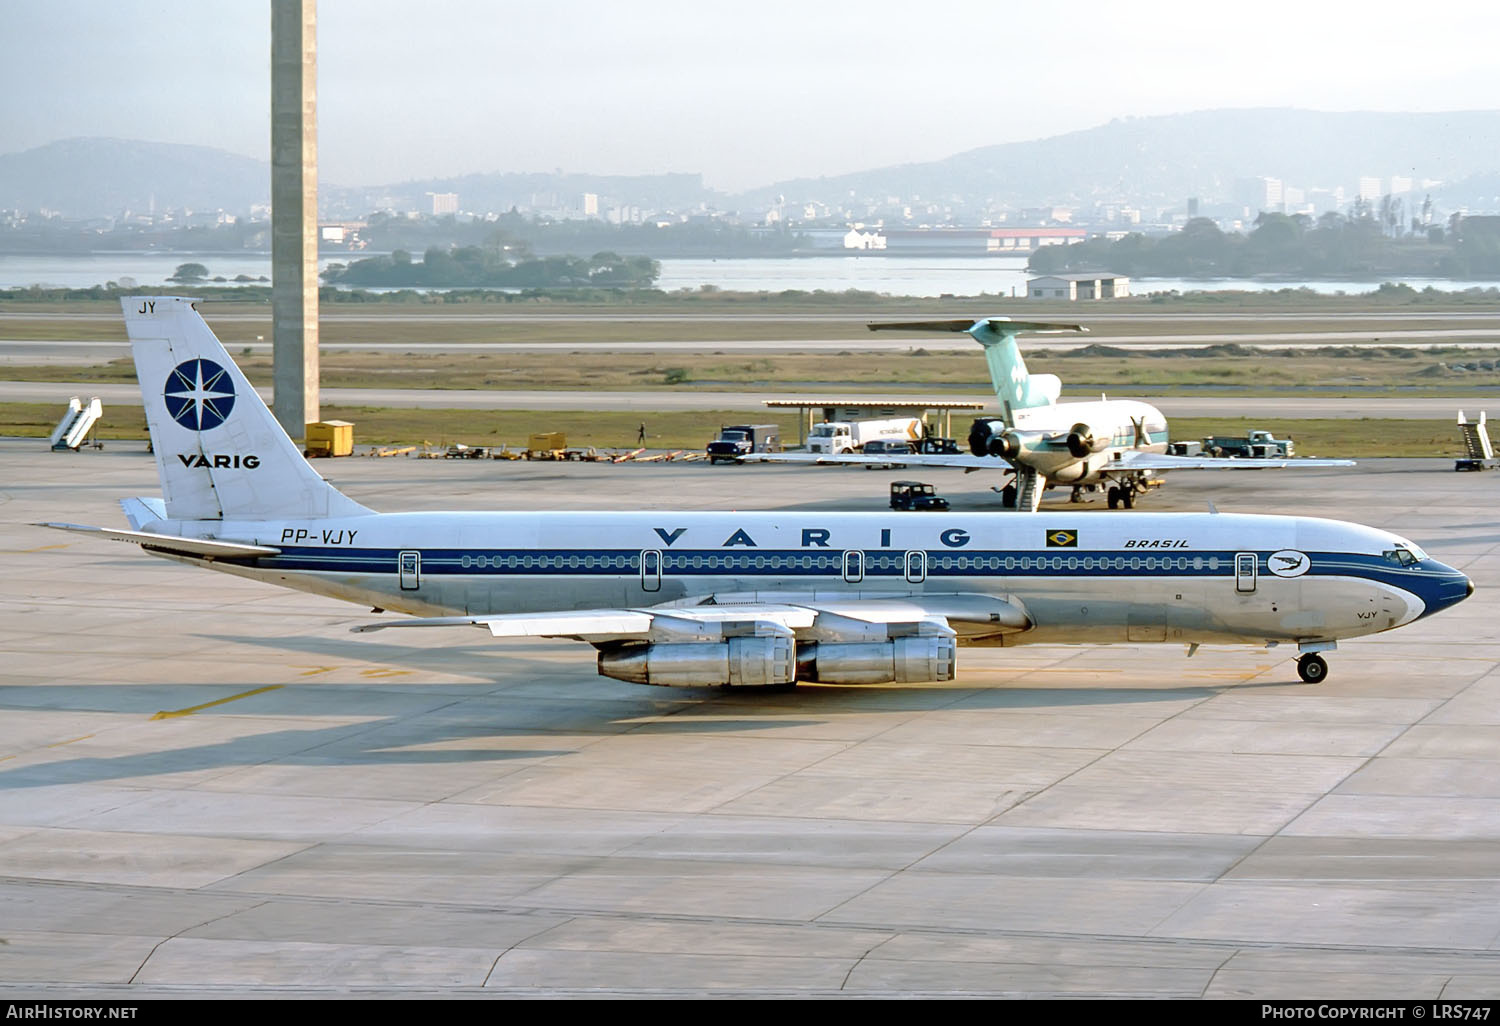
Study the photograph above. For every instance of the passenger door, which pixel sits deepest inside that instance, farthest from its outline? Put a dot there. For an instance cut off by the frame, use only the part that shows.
(651, 570)
(1244, 572)
(409, 567)
(854, 565)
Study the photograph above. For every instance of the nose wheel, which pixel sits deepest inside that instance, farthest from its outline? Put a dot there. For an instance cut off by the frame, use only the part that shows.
(1312, 668)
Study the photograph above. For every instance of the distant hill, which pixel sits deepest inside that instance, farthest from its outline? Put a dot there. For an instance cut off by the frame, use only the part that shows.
(1169, 158)
(499, 191)
(1144, 161)
(1478, 193)
(102, 177)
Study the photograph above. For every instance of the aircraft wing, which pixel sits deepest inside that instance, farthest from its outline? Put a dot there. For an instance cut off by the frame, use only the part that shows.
(807, 617)
(912, 459)
(1161, 461)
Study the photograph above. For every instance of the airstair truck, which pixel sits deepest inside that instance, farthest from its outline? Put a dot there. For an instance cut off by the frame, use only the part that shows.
(1479, 452)
(841, 436)
(73, 430)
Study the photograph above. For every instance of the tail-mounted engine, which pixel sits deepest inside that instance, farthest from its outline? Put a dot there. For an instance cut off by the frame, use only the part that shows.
(985, 433)
(1083, 442)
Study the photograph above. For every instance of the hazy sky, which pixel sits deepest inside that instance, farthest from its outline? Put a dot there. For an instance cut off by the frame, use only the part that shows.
(747, 94)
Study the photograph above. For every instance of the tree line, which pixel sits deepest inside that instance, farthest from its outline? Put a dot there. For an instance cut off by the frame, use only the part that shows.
(488, 267)
(1291, 245)
(522, 235)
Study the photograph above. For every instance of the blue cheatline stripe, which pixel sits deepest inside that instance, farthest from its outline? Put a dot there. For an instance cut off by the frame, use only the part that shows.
(1126, 563)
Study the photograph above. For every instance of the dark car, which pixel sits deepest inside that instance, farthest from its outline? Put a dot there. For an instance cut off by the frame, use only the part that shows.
(738, 440)
(880, 448)
(915, 495)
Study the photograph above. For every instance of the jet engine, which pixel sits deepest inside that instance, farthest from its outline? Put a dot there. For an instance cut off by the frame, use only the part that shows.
(983, 434)
(737, 662)
(993, 438)
(1082, 441)
(908, 660)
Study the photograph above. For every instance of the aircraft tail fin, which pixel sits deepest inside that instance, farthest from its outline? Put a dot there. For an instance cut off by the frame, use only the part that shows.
(220, 453)
(1015, 386)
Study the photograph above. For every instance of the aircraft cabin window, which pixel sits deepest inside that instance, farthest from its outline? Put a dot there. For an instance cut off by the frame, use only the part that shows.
(1401, 557)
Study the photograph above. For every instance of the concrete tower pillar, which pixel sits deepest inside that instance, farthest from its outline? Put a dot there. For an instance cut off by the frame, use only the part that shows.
(294, 212)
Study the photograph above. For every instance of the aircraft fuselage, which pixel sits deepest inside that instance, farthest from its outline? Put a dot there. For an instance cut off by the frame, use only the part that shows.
(1182, 577)
(1116, 426)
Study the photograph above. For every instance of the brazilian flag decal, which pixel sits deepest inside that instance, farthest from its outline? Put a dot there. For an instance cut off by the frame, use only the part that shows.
(1062, 539)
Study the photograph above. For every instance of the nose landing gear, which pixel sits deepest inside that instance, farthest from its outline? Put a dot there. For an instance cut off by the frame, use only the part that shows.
(1312, 668)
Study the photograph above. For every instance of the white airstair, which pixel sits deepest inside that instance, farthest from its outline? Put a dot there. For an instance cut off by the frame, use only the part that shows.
(1479, 454)
(73, 430)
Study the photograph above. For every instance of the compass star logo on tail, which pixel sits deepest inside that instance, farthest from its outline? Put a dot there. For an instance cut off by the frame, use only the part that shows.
(199, 394)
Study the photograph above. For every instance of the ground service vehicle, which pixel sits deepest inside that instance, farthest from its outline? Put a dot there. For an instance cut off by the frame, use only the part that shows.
(883, 448)
(1256, 445)
(915, 495)
(739, 439)
(842, 436)
(1479, 452)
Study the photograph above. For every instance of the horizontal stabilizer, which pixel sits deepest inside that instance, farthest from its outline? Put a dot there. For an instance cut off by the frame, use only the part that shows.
(211, 548)
(962, 325)
(142, 511)
(1000, 325)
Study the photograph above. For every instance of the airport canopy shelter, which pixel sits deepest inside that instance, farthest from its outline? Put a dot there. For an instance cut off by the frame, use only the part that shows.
(1083, 285)
(937, 414)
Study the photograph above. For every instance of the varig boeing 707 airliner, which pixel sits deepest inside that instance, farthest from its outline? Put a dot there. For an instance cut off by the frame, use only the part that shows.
(762, 599)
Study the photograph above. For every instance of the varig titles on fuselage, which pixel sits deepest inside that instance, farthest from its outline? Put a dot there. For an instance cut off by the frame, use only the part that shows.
(812, 538)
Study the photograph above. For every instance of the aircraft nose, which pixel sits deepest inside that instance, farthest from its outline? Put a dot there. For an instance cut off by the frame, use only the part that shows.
(1448, 588)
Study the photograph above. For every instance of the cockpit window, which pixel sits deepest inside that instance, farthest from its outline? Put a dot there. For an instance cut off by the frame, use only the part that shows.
(1403, 556)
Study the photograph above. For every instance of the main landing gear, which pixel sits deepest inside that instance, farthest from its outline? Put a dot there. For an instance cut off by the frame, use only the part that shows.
(1121, 495)
(1312, 668)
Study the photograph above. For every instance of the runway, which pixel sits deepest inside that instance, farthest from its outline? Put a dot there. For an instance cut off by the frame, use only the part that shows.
(210, 788)
(34, 351)
(530, 313)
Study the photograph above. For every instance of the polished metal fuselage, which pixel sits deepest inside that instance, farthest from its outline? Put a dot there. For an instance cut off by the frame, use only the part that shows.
(1189, 578)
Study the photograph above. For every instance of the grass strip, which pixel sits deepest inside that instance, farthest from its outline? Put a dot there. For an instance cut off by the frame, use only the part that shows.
(389, 426)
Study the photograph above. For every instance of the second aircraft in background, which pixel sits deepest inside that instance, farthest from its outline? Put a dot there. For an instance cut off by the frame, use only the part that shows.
(1116, 444)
